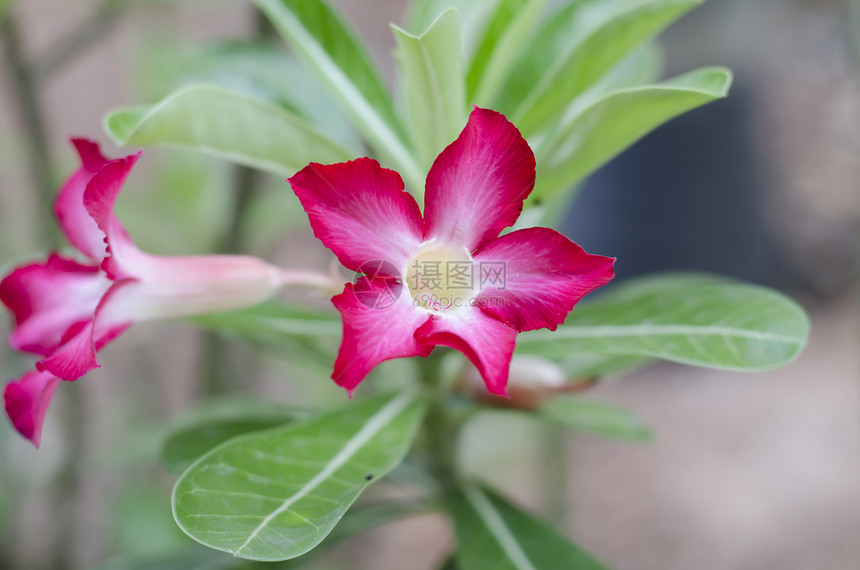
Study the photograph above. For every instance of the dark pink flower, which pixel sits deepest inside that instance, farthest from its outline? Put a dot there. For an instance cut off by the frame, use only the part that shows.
(66, 310)
(446, 278)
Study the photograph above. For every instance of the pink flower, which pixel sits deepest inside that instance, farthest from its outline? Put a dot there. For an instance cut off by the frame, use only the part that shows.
(67, 310)
(446, 278)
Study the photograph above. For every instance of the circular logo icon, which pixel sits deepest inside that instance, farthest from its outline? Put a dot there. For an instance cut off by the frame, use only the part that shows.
(377, 284)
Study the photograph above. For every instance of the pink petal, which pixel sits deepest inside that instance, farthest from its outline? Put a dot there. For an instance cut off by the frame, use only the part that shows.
(477, 185)
(99, 199)
(76, 354)
(545, 275)
(487, 342)
(80, 229)
(27, 401)
(379, 323)
(359, 211)
(48, 298)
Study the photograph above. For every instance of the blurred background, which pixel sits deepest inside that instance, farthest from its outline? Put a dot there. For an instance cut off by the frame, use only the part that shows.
(746, 472)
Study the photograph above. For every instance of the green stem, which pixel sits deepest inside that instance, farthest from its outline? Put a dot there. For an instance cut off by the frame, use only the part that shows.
(94, 29)
(216, 356)
(440, 428)
(216, 370)
(553, 474)
(23, 82)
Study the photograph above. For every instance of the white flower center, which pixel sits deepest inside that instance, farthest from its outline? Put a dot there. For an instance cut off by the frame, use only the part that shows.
(441, 279)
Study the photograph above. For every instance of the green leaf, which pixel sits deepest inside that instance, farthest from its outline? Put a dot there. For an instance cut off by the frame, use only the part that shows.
(432, 69)
(606, 32)
(691, 319)
(508, 32)
(274, 495)
(261, 71)
(579, 366)
(594, 417)
(327, 46)
(185, 445)
(473, 17)
(220, 122)
(272, 320)
(597, 133)
(492, 533)
(642, 67)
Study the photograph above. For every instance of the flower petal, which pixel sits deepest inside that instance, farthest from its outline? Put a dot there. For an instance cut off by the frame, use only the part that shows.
(379, 323)
(99, 199)
(544, 276)
(487, 342)
(76, 354)
(48, 298)
(477, 185)
(80, 229)
(359, 211)
(27, 401)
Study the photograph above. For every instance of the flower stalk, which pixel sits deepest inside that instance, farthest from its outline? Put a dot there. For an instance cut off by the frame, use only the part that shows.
(440, 427)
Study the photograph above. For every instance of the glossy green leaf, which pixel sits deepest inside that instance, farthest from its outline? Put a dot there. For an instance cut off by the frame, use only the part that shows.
(689, 319)
(185, 445)
(261, 71)
(473, 18)
(213, 120)
(556, 35)
(642, 67)
(591, 136)
(508, 32)
(273, 323)
(274, 495)
(583, 366)
(432, 71)
(492, 533)
(328, 47)
(594, 417)
(605, 32)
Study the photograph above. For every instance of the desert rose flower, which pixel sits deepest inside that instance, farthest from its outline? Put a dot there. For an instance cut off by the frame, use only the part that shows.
(445, 278)
(66, 310)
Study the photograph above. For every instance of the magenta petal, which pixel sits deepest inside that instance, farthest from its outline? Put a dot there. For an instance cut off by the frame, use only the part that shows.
(76, 354)
(487, 342)
(80, 229)
(359, 211)
(477, 185)
(99, 199)
(48, 298)
(379, 323)
(27, 401)
(545, 275)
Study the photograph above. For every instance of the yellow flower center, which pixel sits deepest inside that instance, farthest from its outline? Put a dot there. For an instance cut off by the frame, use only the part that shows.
(441, 279)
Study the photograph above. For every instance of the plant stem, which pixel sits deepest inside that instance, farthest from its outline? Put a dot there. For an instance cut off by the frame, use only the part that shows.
(38, 157)
(216, 372)
(23, 79)
(553, 474)
(90, 32)
(440, 429)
